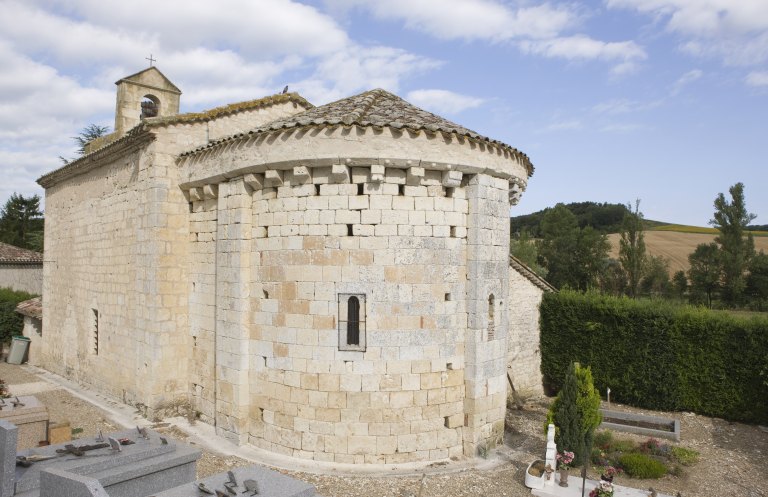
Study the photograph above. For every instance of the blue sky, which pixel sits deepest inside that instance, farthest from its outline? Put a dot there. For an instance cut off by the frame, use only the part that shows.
(661, 100)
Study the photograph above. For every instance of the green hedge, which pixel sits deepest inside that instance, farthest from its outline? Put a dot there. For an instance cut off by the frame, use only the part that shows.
(659, 355)
(11, 322)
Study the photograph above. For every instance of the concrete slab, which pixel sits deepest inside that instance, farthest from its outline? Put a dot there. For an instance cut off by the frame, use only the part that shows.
(575, 485)
(31, 419)
(270, 483)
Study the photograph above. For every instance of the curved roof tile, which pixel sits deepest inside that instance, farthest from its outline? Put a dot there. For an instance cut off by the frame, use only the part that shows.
(378, 108)
(10, 254)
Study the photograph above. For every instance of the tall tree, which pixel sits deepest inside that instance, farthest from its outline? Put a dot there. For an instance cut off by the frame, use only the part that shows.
(656, 280)
(757, 281)
(705, 271)
(632, 247)
(573, 257)
(524, 248)
(86, 135)
(680, 284)
(731, 219)
(21, 222)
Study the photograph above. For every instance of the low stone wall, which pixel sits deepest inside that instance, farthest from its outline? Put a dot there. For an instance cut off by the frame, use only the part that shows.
(22, 277)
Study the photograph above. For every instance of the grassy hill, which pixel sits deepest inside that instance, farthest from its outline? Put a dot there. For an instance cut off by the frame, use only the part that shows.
(676, 246)
(672, 241)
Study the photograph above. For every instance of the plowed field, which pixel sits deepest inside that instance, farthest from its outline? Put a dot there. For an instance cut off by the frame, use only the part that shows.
(675, 246)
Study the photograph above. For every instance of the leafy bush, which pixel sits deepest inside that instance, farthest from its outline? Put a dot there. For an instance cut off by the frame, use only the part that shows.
(684, 456)
(639, 465)
(658, 355)
(603, 439)
(11, 322)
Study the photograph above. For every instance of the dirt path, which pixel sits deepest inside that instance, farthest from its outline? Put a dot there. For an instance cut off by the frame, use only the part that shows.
(734, 458)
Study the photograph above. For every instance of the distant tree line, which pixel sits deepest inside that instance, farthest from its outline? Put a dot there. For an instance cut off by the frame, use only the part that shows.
(21, 222)
(572, 253)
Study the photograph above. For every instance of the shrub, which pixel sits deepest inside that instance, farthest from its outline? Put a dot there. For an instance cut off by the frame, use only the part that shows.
(603, 439)
(684, 456)
(11, 322)
(659, 355)
(642, 466)
(576, 412)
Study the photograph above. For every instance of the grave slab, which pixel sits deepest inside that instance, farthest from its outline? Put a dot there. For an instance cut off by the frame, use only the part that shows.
(143, 468)
(31, 419)
(270, 483)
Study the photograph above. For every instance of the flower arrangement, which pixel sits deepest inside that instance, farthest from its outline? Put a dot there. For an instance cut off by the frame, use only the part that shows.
(564, 460)
(604, 489)
(611, 471)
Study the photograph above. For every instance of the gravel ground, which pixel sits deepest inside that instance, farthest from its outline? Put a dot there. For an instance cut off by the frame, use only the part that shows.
(734, 456)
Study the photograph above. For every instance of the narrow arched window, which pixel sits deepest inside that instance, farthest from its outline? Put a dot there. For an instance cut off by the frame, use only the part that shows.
(491, 316)
(353, 321)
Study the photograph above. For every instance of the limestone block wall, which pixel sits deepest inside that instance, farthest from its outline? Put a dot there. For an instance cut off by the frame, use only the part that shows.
(22, 277)
(524, 352)
(317, 234)
(92, 244)
(488, 280)
(33, 329)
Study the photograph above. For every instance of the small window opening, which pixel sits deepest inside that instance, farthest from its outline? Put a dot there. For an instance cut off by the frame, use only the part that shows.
(150, 106)
(360, 188)
(352, 322)
(445, 418)
(95, 331)
(266, 294)
(447, 297)
(349, 230)
(449, 192)
(453, 231)
(491, 317)
(449, 366)
(317, 189)
(401, 190)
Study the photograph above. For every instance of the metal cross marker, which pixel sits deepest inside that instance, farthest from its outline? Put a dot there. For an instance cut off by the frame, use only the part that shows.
(150, 59)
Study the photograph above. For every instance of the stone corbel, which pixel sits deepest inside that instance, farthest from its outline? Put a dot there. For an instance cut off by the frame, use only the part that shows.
(452, 179)
(340, 173)
(415, 176)
(195, 194)
(302, 175)
(377, 173)
(254, 181)
(210, 191)
(273, 178)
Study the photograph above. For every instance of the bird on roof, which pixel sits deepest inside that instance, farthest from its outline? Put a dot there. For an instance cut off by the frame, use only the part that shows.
(285, 90)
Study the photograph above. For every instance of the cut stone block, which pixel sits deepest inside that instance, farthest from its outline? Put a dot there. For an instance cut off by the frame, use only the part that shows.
(143, 468)
(31, 419)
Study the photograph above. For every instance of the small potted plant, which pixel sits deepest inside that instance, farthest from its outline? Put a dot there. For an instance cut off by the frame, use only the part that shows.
(603, 489)
(609, 472)
(564, 460)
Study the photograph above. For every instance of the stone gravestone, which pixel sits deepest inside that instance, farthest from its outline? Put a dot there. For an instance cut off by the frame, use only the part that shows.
(30, 416)
(8, 437)
(141, 468)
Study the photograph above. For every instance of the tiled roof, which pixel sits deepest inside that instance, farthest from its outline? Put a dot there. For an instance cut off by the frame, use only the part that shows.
(376, 108)
(32, 308)
(10, 254)
(139, 132)
(529, 274)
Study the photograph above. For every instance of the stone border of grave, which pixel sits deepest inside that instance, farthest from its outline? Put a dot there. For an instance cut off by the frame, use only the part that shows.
(626, 420)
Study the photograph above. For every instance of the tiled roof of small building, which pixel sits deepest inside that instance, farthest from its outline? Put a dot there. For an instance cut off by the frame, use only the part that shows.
(140, 133)
(530, 275)
(32, 308)
(10, 254)
(376, 108)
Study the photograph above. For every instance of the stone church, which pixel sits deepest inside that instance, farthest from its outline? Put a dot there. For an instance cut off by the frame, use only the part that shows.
(330, 283)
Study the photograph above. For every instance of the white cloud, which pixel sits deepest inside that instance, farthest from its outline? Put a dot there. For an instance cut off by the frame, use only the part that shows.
(623, 106)
(757, 78)
(686, 79)
(734, 31)
(362, 68)
(580, 47)
(472, 19)
(443, 101)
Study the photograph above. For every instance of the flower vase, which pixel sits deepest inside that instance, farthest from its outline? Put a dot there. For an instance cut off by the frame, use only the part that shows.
(563, 478)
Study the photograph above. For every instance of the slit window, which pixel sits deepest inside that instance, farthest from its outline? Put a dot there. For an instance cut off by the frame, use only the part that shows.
(95, 331)
(491, 317)
(351, 321)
